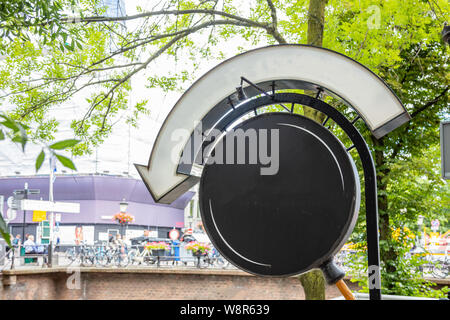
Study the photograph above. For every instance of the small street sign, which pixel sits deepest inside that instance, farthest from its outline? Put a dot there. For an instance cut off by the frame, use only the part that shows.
(39, 216)
(20, 194)
(39, 205)
(12, 203)
(11, 214)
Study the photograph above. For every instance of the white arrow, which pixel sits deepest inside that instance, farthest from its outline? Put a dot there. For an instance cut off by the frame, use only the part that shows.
(373, 100)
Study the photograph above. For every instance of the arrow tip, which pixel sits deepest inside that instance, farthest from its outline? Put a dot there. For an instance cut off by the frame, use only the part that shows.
(174, 193)
(143, 172)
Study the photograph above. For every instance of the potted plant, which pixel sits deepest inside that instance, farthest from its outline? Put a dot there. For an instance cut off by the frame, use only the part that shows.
(123, 219)
(198, 248)
(157, 248)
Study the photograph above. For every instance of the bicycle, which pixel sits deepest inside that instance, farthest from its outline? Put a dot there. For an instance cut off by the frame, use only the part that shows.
(140, 255)
(440, 267)
(216, 259)
(82, 253)
(114, 255)
(87, 257)
(100, 254)
(72, 255)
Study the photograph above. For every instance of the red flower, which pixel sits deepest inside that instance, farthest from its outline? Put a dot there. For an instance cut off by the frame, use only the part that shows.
(123, 218)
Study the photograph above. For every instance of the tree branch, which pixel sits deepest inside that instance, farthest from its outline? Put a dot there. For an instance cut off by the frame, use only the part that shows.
(273, 30)
(429, 103)
(181, 34)
(166, 13)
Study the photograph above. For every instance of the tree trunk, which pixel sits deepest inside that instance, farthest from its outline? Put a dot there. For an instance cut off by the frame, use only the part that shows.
(313, 282)
(387, 253)
(316, 22)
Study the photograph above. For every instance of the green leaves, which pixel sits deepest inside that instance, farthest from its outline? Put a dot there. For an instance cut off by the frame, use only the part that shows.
(21, 18)
(15, 130)
(4, 231)
(17, 133)
(40, 160)
(66, 162)
(64, 144)
(60, 145)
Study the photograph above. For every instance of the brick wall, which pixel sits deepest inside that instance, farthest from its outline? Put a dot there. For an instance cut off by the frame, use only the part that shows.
(110, 284)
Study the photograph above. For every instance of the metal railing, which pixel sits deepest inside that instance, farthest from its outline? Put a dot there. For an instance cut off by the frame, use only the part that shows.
(435, 266)
(113, 255)
(103, 254)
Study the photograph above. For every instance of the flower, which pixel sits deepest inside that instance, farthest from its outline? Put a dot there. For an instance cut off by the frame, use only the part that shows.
(195, 246)
(123, 218)
(161, 245)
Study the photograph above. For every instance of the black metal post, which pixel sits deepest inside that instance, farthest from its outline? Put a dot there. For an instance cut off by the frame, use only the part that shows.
(50, 255)
(13, 256)
(25, 196)
(23, 224)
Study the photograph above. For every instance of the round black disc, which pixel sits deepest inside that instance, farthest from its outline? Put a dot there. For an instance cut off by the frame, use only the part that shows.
(294, 216)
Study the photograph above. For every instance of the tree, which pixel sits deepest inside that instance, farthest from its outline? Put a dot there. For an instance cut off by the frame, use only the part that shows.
(20, 18)
(313, 282)
(397, 39)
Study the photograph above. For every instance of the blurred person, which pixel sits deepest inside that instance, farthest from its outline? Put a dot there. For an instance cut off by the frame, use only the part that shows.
(119, 243)
(58, 242)
(17, 241)
(30, 245)
(118, 238)
(78, 235)
(140, 241)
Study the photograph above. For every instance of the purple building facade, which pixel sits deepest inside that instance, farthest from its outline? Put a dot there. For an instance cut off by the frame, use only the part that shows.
(99, 197)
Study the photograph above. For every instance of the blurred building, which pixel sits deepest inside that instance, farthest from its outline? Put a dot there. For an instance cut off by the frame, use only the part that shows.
(99, 198)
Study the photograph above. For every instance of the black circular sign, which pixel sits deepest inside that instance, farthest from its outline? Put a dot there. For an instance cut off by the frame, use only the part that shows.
(289, 204)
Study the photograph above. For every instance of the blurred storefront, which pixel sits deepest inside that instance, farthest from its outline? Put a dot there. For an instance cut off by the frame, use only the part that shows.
(99, 197)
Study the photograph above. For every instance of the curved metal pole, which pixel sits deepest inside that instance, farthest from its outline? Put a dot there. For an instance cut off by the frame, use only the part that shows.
(370, 182)
(359, 143)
